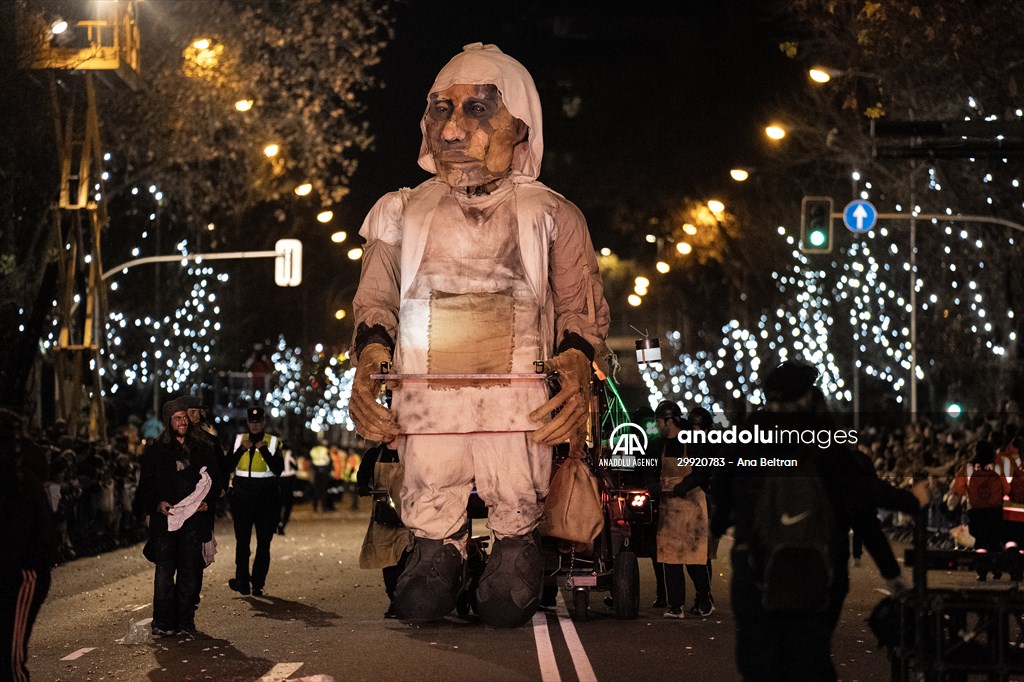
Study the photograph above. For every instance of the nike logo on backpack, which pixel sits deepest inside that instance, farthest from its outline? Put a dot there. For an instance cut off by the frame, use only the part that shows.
(788, 520)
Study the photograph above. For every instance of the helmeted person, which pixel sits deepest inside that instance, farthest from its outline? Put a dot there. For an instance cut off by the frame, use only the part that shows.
(255, 501)
(178, 488)
(479, 270)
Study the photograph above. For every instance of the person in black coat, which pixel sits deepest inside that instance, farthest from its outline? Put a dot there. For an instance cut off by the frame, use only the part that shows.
(179, 486)
(796, 644)
(29, 540)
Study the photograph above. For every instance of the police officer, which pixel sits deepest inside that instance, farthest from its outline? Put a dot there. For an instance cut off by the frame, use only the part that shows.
(255, 501)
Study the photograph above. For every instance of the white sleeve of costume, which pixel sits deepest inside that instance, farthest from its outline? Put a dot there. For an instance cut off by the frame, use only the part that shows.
(576, 287)
(377, 298)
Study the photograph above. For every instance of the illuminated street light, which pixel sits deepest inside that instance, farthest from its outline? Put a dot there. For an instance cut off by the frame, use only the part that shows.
(662, 267)
(201, 44)
(243, 104)
(304, 189)
(954, 410)
(642, 282)
(820, 74)
(716, 207)
(689, 229)
(271, 150)
(355, 254)
(651, 239)
(739, 174)
(325, 216)
(58, 27)
(339, 314)
(634, 300)
(775, 132)
(684, 248)
(339, 236)
(606, 252)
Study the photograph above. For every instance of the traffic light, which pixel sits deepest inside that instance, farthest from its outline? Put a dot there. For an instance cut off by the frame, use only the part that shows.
(816, 225)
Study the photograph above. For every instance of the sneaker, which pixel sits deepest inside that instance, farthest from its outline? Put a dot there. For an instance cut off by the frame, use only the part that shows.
(257, 591)
(659, 604)
(187, 631)
(390, 613)
(160, 632)
(238, 587)
(705, 610)
(675, 612)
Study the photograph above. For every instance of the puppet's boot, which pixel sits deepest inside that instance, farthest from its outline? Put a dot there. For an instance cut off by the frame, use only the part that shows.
(509, 591)
(428, 586)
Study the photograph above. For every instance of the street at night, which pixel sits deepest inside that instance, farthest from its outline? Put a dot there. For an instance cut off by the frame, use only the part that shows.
(323, 616)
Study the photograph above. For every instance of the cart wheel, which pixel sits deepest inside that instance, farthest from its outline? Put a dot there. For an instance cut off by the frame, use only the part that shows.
(626, 585)
(581, 604)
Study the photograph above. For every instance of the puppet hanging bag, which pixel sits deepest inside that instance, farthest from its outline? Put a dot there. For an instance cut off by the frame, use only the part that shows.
(572, 510)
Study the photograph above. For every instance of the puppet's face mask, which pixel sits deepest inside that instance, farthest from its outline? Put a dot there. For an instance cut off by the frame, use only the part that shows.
(471, 134)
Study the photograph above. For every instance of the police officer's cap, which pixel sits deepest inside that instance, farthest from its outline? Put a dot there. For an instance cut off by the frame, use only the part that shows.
(255, 414)
(668, 409)
(790, 381)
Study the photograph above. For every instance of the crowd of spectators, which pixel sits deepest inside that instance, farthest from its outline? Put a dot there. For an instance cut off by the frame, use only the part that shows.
(942, 450)
(91, 486)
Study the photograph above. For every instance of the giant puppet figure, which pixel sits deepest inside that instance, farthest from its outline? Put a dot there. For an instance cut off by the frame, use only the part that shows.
(479, 270)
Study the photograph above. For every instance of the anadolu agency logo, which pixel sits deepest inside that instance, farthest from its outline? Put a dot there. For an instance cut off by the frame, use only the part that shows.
(629, 445)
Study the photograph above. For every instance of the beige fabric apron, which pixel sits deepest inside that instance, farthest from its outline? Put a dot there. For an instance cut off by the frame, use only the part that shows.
(682, 521)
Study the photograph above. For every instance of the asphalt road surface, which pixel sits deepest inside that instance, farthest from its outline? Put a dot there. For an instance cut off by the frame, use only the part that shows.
(322, 620)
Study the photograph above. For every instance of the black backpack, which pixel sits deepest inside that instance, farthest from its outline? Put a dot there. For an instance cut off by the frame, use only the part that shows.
(792, 535)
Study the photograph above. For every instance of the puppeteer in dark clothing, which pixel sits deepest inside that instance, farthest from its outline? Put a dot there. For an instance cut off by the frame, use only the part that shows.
(178, 487)
(773, 644)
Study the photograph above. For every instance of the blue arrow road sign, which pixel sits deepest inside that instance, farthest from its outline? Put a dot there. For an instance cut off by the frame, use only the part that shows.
(859, 216)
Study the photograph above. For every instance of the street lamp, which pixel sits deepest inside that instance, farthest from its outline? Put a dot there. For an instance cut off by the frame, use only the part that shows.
(339, 236)
(325, 216)
(775, 131)
(244, 105)
(739, 174)
(716, 207)
(304, 189)
(684, 248)
(271, 150)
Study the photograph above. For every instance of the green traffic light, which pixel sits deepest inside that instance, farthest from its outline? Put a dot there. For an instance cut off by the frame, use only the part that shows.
(817, 238)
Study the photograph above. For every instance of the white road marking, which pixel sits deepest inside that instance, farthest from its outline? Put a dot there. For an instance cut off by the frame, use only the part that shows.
(545, 652)
(584, 670)
(78, 654)
(280, 672)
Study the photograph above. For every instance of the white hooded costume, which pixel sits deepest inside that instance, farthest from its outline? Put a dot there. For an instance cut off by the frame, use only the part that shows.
(477, 284)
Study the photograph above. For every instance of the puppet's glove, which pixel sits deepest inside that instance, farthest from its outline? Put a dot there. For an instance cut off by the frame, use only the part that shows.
(572, 402)
(373, 421)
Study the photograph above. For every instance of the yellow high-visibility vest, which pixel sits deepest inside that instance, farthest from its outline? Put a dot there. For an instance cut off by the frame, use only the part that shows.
(251, 464)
